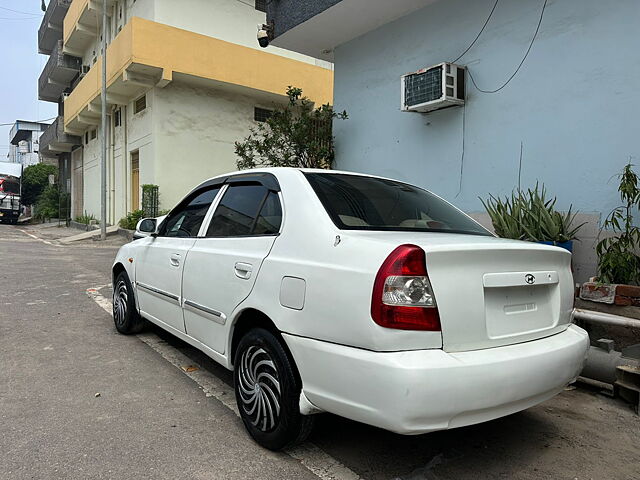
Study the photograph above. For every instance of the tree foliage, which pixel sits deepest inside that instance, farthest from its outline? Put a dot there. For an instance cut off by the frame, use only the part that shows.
(296, 135)
(618, 260)
(35, 178)
(48, 204)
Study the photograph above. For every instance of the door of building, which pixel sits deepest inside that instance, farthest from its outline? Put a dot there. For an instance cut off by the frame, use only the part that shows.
(135, 181)
(77, 192)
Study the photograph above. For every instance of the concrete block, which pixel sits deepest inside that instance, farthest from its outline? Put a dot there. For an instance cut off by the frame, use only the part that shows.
(598, 293)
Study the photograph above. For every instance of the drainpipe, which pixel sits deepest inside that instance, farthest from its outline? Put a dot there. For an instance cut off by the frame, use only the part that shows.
(126, 170)
(603, 360)
(605, 318)
(112, 167)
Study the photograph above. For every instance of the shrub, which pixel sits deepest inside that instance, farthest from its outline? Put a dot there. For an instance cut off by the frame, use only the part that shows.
(618, 261)
(48, 203)
(297, 135)
(531, 216)
(86, 219)
(131, 220)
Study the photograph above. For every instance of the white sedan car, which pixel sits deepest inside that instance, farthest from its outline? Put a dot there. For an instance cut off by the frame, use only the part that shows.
(365, 297)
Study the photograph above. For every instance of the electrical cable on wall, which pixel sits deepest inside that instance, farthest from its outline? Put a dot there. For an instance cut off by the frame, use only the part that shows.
(479, 33)
(464, 116)
(533, 39)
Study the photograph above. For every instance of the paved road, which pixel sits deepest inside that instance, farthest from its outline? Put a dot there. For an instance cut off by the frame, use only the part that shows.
(58, 349)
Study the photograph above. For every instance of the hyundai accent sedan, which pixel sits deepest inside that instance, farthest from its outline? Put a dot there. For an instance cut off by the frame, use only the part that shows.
(369, 298)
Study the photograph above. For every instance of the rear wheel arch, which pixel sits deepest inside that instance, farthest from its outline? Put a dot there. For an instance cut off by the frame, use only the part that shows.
(249, 319)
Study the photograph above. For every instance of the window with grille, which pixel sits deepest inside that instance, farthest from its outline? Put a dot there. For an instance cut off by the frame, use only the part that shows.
(117, 118)
(140, 104)
(261, 5)
(261, 114)
(94, 134)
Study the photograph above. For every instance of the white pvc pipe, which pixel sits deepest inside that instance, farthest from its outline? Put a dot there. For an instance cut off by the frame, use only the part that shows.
(605, 318)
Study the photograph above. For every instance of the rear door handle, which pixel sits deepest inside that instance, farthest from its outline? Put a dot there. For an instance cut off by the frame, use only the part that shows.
(243, 270)
(175, 259)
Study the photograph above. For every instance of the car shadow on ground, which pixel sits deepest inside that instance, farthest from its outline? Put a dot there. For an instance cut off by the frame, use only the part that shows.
(375, 453)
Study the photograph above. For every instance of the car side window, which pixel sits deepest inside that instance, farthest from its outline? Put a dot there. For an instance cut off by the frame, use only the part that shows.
(246, 210)
(185, 220)
(270, 217)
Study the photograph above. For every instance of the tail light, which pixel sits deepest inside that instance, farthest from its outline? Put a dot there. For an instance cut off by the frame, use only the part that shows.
(402, 294)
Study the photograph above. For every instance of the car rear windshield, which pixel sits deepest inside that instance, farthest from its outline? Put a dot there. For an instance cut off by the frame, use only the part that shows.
(365, 203)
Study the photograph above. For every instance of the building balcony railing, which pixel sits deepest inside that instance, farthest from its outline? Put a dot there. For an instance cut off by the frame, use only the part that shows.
(55, 141)
(50, 30)
(57, 74)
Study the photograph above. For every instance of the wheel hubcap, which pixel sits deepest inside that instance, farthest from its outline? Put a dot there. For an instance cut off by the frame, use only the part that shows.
(120, 302)
(259, 388)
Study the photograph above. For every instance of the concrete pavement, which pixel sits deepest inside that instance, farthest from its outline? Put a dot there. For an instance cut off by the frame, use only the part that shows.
(58, 349)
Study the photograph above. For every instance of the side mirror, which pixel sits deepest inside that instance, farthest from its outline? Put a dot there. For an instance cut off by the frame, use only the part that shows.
(147, 226)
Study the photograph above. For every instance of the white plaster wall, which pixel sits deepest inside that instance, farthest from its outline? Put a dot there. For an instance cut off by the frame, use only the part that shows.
(195, 129)
(138, 137)
(91, 174)
(118, 17)
(228, 20)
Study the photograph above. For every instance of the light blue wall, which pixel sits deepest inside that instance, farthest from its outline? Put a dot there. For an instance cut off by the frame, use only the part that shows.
(575, 104)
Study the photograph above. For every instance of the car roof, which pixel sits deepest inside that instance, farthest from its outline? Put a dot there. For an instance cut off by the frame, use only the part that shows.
(276, 170)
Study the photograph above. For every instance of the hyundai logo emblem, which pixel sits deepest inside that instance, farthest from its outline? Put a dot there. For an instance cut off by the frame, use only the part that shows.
(530, 279)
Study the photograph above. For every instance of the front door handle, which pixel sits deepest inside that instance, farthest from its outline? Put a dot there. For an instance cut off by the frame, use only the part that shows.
(175, 259)
(243, 270)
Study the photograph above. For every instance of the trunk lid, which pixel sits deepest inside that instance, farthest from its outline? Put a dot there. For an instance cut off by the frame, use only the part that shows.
(492, 292)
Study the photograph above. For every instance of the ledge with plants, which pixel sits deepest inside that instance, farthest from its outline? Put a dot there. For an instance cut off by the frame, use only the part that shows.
(618, 280)
(529, 215)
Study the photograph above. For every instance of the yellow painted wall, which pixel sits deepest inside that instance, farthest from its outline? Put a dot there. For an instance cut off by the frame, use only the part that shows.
(176, 50)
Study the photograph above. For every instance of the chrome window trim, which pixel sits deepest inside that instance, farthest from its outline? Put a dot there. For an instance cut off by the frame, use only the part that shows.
(218, 317)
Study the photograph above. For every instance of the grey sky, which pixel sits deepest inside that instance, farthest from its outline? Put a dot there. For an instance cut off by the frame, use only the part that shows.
(20, 67)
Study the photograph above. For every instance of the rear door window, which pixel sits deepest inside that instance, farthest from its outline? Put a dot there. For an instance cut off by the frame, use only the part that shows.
(246, 210)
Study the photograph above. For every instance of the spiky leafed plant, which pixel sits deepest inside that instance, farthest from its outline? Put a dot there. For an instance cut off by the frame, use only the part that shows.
(531, 216)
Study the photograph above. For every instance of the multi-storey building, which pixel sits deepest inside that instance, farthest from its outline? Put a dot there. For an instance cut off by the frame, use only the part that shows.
(24, 140)
(185, 80)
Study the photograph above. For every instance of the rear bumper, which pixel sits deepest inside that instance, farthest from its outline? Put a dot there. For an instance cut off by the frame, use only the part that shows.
(426, 390)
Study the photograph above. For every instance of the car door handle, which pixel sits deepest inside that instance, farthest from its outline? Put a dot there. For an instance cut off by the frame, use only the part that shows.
(243, 270)
(175, 259)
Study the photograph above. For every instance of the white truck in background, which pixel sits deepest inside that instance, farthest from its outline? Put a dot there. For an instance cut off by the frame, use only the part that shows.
(10, 191)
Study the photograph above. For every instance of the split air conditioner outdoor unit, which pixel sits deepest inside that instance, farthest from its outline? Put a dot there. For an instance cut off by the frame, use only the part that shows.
(434, 88)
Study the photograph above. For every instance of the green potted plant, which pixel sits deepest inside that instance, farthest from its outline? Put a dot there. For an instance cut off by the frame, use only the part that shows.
(618, 280)
(618, 259)
(530, 215)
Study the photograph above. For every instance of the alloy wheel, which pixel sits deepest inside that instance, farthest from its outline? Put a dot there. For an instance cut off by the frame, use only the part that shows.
(120, 302)
(259, 388)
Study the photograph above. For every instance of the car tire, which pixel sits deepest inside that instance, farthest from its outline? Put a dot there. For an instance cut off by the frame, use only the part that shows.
(267, 388)
(125, 314)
